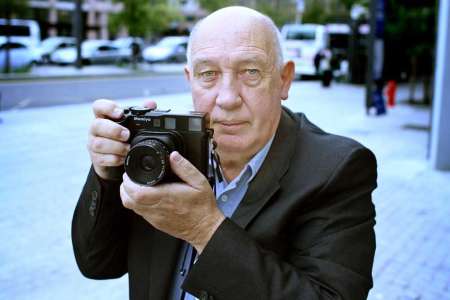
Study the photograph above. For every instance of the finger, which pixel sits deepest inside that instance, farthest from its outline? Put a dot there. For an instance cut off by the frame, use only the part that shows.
(109, 129)
(126, 199)
(143, 195)
(186, 171)
(104, 108)
(107, 146)
(107, 160)
(150, 104)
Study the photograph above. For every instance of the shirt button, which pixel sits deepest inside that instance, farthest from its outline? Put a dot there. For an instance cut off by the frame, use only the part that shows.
(93, 206)
(224, 198)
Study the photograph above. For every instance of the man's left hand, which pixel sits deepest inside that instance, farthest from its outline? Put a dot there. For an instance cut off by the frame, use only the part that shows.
(186, 210)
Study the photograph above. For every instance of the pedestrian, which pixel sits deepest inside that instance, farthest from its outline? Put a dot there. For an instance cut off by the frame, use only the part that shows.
(292, 218)
(135, 53)
(325, 68)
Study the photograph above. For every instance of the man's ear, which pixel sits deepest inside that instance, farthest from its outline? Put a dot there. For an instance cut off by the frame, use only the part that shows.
(187, 74)
(287, 76)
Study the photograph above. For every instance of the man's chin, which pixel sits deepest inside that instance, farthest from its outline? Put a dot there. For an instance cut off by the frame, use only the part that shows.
(230, 143)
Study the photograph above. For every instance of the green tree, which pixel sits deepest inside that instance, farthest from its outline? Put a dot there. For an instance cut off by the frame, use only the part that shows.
(212, 5)
(280, 11)
(14, 9)
(413, 29)
(329, 11)
(142, 18)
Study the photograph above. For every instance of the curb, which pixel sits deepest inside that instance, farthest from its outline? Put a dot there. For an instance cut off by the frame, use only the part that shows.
(84, 73)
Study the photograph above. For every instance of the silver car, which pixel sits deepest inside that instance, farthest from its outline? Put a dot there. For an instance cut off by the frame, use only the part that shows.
(20, 56)
(52, 44)
(92, 52)
(168, 49)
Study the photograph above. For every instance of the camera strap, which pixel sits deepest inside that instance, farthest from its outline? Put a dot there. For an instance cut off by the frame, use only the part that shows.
(215, 163)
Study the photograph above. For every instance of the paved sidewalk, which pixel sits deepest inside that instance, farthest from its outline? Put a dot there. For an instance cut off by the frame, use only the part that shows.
(43, 163)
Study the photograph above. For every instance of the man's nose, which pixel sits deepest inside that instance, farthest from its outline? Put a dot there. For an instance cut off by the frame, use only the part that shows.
(228, 95)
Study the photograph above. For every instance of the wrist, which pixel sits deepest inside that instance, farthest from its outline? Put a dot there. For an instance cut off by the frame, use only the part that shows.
(208, 227)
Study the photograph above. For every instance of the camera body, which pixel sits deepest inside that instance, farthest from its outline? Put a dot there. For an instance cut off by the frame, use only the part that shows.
(154, 134)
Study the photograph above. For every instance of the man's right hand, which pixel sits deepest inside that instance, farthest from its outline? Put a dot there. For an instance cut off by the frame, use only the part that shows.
(107, 142)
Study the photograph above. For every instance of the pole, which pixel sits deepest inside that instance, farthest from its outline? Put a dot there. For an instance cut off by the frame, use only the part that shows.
(78, 32)
(370, 56)
(7, 68)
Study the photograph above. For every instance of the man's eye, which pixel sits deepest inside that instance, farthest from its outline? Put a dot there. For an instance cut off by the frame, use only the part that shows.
(208, 75)
(252, 74)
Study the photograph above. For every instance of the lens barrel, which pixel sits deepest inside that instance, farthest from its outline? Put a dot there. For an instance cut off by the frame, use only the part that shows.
(147, 162)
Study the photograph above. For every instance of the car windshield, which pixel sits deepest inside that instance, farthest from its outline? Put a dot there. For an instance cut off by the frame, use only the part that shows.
(50, 43)
(14, 30)
(90, 45)
(303, 34)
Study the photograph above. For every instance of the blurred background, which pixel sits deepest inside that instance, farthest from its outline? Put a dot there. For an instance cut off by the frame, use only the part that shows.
(374, 70)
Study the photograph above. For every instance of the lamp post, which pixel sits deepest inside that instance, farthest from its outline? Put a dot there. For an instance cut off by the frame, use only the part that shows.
(300, 9)
(374, 75)
(78, 32)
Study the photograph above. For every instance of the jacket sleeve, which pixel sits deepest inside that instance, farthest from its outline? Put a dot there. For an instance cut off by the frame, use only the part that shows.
(331, 245)
(99, 229)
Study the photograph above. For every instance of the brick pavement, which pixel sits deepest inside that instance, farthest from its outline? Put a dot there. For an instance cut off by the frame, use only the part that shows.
(43, 163)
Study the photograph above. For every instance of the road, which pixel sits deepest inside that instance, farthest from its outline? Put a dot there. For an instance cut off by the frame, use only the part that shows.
(39, 93)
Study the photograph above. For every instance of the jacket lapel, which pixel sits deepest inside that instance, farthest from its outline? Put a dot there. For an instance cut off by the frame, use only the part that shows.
(266, 182)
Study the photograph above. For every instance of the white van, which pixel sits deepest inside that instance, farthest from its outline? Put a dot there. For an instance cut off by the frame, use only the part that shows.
(301, 43)
(26, 32)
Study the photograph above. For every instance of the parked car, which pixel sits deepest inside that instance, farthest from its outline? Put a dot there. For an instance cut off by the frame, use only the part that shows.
(168, 49)
(50, 45)
(20, 55)
(126, 45)
(301, 43)
(25, 32)
(92, 52)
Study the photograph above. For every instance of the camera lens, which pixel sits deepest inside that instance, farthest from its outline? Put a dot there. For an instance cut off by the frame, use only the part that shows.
(147, 162)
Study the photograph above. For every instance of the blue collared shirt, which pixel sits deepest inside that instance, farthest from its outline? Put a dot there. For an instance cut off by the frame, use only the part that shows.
(230, 195)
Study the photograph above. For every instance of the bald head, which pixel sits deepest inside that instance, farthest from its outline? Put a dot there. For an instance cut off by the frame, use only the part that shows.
(234, 20)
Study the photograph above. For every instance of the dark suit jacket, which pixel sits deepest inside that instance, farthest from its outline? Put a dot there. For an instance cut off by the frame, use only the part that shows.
(304, 229)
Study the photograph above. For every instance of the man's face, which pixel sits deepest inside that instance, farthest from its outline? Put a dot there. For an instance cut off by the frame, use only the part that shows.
(234, 78)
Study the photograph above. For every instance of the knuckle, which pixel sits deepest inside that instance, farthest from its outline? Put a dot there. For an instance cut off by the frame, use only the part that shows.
(184, 163)
(138, 195)
(102, 161)
(116, 160)
(97, 144)
(124, 149)
(96, 125)
(116, 131)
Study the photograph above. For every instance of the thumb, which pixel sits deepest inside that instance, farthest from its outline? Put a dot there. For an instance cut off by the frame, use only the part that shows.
(186, 170)
(150, 104)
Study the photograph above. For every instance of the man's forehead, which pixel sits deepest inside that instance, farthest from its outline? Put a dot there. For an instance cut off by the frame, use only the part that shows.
(231, 39)
(241, 54)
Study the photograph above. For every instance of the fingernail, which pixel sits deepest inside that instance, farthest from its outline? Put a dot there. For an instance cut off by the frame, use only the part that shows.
(176, 156)
(125, 134)
(117, 112)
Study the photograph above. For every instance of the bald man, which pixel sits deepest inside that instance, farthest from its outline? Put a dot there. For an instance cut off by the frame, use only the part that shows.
(292, 217)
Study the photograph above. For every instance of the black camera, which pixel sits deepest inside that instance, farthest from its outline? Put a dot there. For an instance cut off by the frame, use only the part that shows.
(154, 134)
